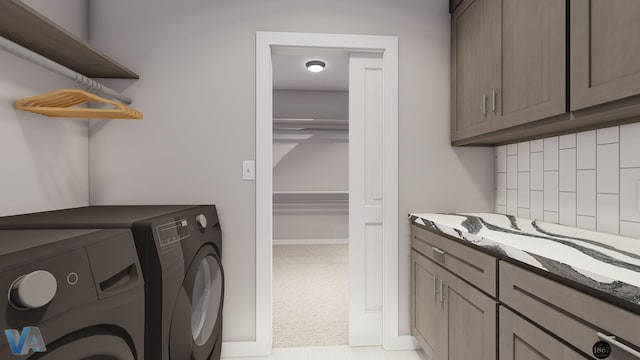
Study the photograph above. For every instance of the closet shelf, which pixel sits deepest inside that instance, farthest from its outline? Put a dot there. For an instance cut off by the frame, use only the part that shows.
(283, 197)
(301, 125)
(27, 27)
(59, 103)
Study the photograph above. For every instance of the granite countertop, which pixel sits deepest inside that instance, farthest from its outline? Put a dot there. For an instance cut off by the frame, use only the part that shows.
(608, 264)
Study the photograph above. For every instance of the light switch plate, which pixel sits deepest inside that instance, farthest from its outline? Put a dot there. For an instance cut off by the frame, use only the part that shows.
(248, 170)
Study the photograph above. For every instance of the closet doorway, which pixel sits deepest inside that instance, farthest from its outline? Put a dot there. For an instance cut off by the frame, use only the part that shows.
(310, 197)
(370, 134)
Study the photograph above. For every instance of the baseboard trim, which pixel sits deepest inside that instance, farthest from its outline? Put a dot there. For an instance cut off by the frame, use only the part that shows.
(242, 349)
(402, 342)
(258, 351)
(310, 241)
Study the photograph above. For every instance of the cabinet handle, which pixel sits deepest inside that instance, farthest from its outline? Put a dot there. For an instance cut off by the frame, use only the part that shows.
(435, 286)
(484, 104)
(612, 340)
(495, 97)
(441, 291)
(438, 250)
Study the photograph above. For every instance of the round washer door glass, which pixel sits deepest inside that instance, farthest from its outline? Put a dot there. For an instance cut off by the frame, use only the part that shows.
(206, 297)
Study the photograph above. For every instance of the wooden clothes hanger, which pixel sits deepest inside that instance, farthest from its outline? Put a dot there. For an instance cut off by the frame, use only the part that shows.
(59, 103)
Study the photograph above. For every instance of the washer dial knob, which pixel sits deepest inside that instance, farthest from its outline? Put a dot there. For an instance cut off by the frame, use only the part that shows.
(201, 220)
(33, 290)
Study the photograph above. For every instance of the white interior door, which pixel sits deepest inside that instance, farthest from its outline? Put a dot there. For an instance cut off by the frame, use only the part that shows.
(365, 199)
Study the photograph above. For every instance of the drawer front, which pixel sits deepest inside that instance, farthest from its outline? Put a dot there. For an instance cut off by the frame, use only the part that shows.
(471, 265)
(572, 315)
(521, 340)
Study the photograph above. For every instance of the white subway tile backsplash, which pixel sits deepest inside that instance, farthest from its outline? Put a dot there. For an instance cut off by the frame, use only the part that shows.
(523, 156)
(501, 159)
(589, 179)
(607, 169)
(586, 222)
(568, 169)
(630, 194)
(523, 189)
(586, 196)
(567, 207)
(630, 229)
(501, 189)
(607, 217)
(586, 149)
(567, 141)
(630, 145)
(607, 135)
(512, 202)
(537, 205)
(536, 145)
(551, 216)
(551, 153)
(537, 171)
(512, 172)
(551, 191)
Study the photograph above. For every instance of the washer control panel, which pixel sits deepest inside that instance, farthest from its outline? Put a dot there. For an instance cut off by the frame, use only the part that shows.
(170, 234)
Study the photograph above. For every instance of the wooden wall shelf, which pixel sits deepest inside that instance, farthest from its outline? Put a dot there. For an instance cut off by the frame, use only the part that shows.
(27, 27)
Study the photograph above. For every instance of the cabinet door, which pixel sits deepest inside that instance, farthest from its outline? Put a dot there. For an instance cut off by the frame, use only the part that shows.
(427, 318)
(528, 80)
(469, 102)
(471, 320)
(520, 340)
(605, 51)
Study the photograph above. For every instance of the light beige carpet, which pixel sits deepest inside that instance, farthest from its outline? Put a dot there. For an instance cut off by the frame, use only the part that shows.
(310, 295)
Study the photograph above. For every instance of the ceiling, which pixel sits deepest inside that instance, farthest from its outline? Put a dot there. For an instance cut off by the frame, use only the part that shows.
(289, 72)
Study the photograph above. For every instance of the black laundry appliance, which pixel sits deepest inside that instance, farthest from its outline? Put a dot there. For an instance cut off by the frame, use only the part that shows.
(180, 249)
(70, 295)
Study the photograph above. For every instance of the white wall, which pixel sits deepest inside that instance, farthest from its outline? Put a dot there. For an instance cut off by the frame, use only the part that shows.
(44, 160)
(196, 59)
(590, 180)
(309, 104)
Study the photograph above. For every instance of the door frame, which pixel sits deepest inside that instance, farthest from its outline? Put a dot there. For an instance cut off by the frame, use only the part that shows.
(388, 45)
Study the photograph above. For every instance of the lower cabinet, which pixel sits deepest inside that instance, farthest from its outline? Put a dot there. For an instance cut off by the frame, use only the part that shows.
(455, 315)
(451, 319)
(521, 340)
(428, 322)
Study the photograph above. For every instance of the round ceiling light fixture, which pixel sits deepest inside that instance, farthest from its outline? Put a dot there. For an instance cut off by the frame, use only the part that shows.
(315, 65)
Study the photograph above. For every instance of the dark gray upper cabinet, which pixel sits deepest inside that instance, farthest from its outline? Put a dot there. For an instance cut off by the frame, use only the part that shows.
(453, 4)
(528, 80)
(508, 64)
(518, 75)
(605, 51)
(469, 70)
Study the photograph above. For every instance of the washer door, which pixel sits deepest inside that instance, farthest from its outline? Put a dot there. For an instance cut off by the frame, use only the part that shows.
(96, 347)
(198, 308)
